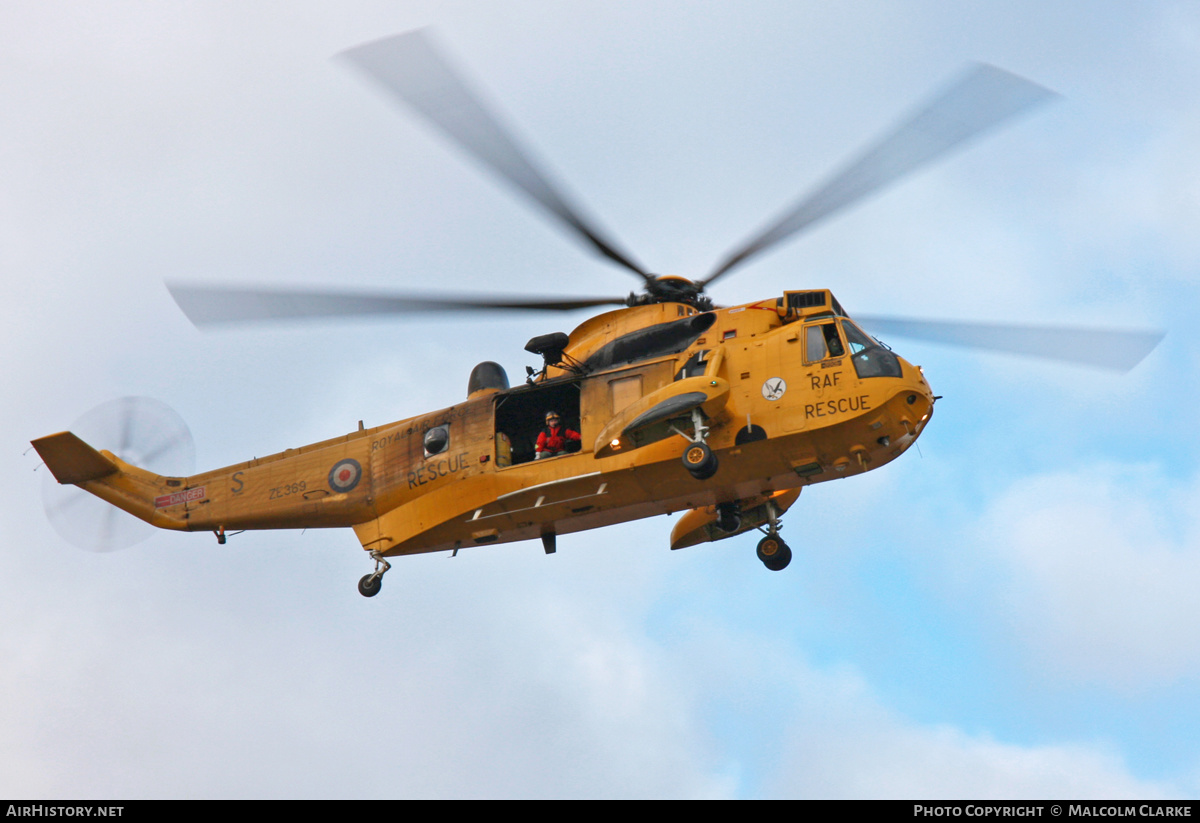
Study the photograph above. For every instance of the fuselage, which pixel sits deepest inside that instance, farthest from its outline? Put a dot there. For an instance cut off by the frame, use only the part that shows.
(806, 397)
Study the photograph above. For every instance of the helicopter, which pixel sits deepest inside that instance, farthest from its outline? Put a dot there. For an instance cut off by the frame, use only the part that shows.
(673, 403)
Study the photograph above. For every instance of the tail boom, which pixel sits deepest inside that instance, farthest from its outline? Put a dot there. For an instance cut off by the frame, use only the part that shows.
(102, 473)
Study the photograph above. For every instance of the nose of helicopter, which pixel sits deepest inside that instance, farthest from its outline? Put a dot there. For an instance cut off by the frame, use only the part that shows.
(895, 405)
(902, 396)
(910, 406)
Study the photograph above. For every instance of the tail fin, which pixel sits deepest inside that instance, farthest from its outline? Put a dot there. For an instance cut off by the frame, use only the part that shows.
(135, 490)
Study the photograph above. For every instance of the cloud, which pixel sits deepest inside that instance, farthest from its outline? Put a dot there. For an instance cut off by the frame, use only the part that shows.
(479, 680)
(846, 744)
(826, 732)
(1100, 569)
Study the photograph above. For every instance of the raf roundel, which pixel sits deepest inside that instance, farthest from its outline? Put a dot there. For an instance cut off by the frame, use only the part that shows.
(344, 475)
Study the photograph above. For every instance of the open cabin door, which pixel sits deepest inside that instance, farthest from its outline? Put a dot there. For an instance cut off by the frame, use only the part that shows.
(521, 413)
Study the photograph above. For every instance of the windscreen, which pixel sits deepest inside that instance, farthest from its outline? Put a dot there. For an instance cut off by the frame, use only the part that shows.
(869, 357)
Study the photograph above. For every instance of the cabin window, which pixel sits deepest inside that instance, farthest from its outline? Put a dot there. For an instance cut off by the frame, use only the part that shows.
(437, 440)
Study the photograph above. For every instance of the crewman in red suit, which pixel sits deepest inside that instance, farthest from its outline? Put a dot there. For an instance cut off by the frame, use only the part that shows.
(556, 438)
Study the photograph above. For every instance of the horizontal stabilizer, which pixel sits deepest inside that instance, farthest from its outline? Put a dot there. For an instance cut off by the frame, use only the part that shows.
(71, 460)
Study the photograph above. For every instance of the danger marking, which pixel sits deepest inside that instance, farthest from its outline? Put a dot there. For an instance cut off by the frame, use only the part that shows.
(186, 496)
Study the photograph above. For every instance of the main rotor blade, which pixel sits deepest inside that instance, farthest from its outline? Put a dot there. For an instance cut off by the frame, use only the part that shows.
(1111, 349)
(411, 68)
(982, 98)
(208, 306)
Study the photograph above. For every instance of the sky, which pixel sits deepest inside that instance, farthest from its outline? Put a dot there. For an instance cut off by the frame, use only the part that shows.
(1007, 611)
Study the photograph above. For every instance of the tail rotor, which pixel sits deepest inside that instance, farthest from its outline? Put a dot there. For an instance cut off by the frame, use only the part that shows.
(138, 430)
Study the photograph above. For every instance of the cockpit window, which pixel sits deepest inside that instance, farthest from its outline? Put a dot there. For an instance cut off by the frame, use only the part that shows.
(870, 359)
(856, 338)
(832, 340)
(822, 341)
(814, 344)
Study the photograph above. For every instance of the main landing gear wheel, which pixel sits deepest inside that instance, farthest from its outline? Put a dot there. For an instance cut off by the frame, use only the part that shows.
(370, 584)
(698, 458)
(700, 461)
(774, 553)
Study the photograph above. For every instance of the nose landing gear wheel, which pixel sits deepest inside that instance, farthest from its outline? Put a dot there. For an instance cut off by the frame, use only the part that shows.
(774, 553)
(700, 461)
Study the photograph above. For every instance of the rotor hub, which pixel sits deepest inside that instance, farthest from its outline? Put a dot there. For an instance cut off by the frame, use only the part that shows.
(671, 288)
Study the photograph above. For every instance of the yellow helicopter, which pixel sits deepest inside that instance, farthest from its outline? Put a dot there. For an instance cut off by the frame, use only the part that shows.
(666, 404)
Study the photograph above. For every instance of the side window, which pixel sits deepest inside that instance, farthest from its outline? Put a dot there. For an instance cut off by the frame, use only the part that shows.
(437, 440)
(814, 344)
(832, 340)
(822, 341)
